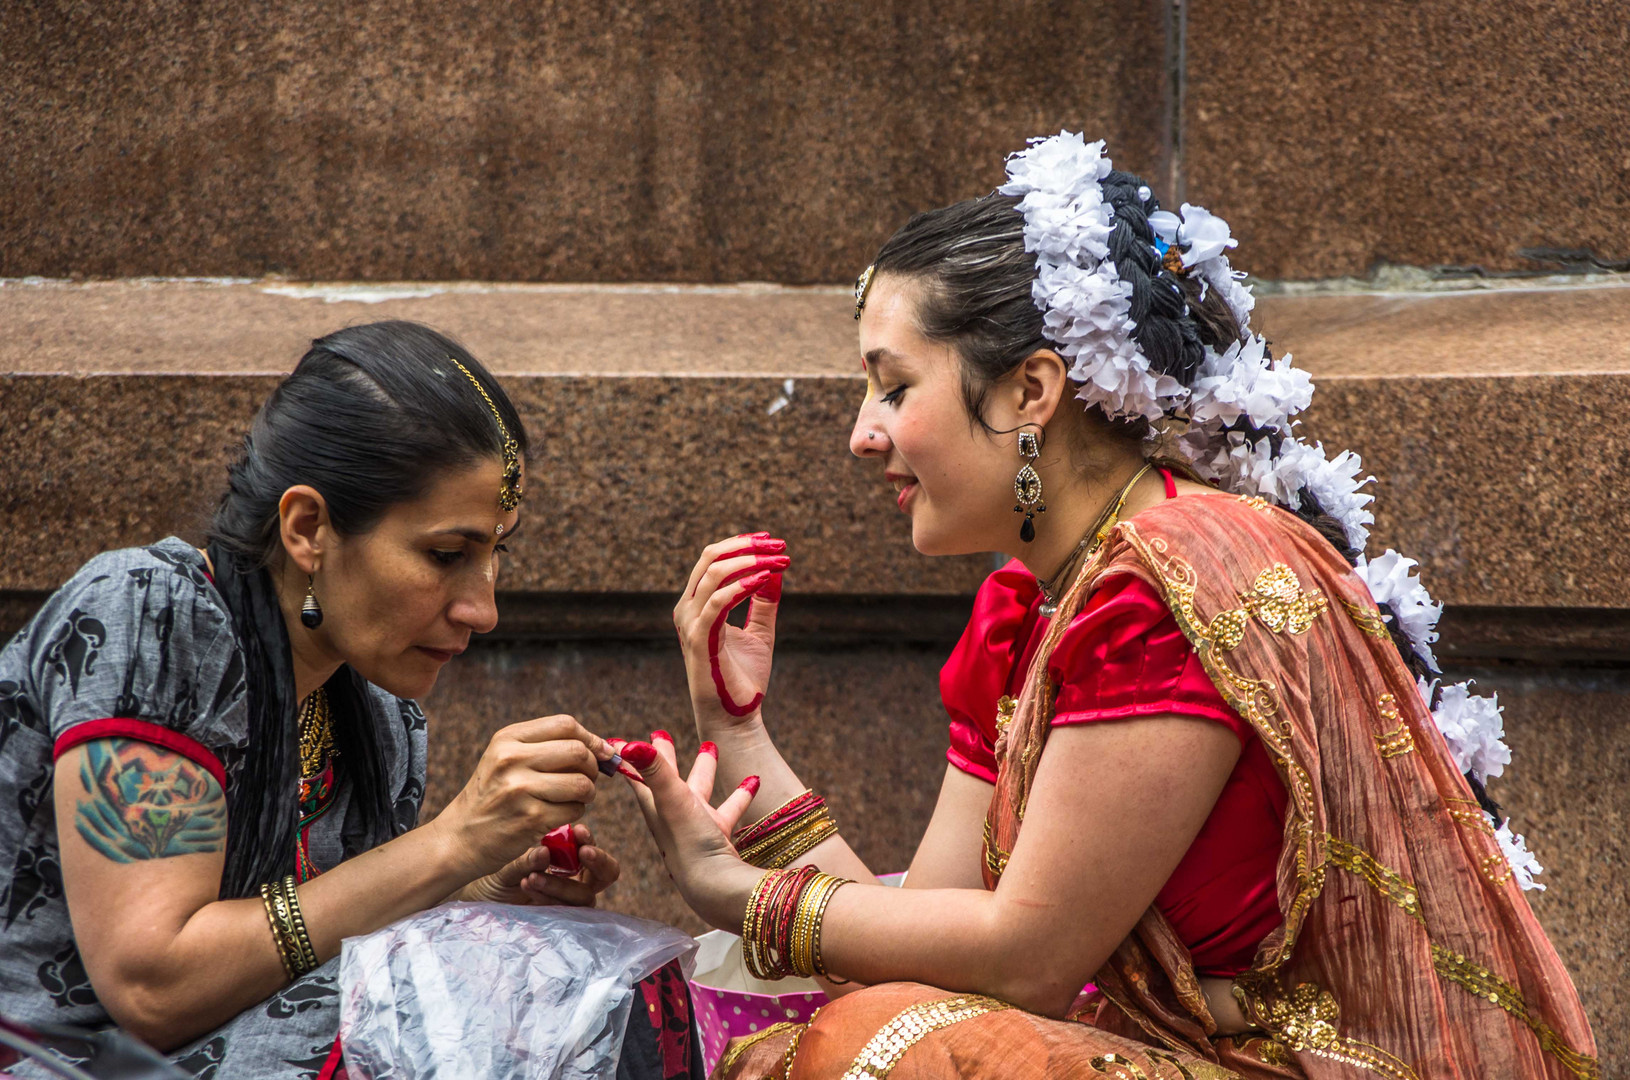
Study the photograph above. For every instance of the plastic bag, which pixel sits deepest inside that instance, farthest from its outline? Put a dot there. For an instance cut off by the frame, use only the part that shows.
(497, 991)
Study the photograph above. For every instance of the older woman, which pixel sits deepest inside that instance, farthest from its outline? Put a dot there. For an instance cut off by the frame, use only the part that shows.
(1189, 763)
(213, 762)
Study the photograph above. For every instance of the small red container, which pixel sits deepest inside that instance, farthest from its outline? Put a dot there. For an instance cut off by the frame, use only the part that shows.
(562, 848)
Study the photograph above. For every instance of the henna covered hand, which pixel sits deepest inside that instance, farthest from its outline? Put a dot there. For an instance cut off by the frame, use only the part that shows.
(728, 667)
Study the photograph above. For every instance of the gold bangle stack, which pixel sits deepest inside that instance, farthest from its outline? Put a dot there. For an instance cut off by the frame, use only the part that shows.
(294, 948)
(785, 845)
(781, 926)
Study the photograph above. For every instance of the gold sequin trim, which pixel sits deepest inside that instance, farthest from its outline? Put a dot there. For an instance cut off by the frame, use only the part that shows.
(1278, 602)
(885, 1049)
(1475, 819)
(1367, 619)
(1124, 1068)
(1483, 983)
(1398, 741)
(1389, 883)
(1305, 1020)
(740, 1046)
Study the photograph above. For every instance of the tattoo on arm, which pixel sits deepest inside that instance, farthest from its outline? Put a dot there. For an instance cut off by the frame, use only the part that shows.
(143, 802)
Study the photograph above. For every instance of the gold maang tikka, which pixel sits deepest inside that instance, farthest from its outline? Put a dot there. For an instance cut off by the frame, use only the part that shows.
(510, 491)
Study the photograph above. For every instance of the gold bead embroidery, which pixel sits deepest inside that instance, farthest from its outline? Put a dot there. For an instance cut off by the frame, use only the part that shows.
(885, 1049)
(1483, 983)
(1006, 706)
(1257, 503)
(1367, 619)
(1389, 883)
(1277, 600)
(1398, 741)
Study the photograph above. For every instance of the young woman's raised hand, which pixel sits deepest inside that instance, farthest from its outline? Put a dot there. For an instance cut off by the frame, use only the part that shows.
(729, 667)
(692, 835)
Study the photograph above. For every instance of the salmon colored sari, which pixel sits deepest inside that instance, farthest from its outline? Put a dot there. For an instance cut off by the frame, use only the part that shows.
(1407, 950)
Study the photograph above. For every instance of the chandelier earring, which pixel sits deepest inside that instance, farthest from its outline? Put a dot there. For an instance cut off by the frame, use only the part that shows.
(311, 612)
(1027, 485)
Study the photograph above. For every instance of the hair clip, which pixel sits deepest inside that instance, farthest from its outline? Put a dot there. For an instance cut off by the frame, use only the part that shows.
(862, 283)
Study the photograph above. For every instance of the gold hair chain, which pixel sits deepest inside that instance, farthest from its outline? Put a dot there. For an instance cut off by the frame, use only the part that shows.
(510, 491)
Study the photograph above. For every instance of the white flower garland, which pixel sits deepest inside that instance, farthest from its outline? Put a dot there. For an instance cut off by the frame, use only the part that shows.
(1086, 311)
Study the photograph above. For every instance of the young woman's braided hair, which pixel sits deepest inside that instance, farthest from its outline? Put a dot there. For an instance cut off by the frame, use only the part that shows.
(977, 283)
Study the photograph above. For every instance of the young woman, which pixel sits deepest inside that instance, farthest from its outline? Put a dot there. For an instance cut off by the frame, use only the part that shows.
(213, 762)
(1190, 762)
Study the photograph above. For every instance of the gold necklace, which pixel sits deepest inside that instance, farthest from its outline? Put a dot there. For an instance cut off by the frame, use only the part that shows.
(1089, 543)
(316, 733)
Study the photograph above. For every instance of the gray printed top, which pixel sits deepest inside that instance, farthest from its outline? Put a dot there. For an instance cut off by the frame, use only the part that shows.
(138, 634)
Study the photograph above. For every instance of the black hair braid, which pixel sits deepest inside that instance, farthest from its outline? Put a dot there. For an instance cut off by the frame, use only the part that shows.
(1160, 310)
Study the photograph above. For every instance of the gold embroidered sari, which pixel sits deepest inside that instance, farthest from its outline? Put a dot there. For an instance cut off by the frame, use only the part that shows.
(1407, 951)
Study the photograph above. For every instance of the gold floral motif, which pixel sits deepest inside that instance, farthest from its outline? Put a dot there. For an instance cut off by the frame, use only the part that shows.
(1305, 1022)
(1483, 983)
(1367, 619)
(1271, 1052)
(1389, 883)
(740, 1046)
(1398, 741)
(1277, 600)
(885, 1049)
(1123, 1068)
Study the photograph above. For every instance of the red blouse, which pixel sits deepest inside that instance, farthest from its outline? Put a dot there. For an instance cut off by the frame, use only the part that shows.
(1124, 657)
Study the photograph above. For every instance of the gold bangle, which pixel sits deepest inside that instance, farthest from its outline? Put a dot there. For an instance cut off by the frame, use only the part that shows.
(793, 845)
(781, 848)
(297, 923)
(817, 964)
(277, 931)
(751, 950)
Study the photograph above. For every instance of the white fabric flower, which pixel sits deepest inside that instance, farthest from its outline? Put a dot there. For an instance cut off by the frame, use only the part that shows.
(1389, 581)
(1086, 307)
(1245, 381)
(1473, 728)
(1523, 864)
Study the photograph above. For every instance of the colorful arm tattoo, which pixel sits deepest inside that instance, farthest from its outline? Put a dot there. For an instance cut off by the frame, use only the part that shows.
(142, 802)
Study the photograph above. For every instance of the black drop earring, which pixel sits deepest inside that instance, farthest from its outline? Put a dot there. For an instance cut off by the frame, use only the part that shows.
(311, 612)
(1027, 486)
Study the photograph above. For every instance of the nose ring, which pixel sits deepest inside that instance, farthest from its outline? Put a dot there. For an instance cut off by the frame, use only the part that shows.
(871, 436)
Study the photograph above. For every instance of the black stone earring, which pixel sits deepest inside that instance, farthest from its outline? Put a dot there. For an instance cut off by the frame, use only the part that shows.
(311, 612)
(1027, 486)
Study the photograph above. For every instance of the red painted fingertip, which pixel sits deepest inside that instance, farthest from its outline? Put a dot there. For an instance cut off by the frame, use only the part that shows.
(641, 755)
(709, 748)
(631, 774)
(660, 734)
(771, 590)
(751, 784)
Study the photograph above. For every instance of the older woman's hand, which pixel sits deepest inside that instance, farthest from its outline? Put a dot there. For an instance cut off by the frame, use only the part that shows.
(527, 880)
(533, 777)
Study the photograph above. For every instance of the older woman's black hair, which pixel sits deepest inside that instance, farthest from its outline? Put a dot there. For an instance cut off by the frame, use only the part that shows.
(371, 417)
